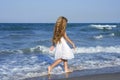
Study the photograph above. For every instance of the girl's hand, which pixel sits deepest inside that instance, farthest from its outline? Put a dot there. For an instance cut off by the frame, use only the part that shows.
(51, 48)
(74, 46)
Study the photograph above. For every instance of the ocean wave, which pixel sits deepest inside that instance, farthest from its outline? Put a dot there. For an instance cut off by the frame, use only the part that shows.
(22, 66)
(98, 49)
(103, 36)
(13, 28)
(24, 26)
(45, 50)
(108, 27)
(36, 49)
(98, 37)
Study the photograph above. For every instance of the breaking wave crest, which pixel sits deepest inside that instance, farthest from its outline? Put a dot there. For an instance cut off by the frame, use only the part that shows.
(45, 50)
(108, 27)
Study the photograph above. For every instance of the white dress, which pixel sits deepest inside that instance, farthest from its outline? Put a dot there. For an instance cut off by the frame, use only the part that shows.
(63, 51)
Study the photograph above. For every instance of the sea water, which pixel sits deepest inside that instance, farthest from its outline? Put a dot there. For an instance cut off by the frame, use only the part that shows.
(24, 48)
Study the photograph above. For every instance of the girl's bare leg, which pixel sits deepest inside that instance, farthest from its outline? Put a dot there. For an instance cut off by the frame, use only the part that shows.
(54, 64)
(66, 66)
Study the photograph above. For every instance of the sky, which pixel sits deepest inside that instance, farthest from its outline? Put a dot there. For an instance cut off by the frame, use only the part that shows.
(47, 11)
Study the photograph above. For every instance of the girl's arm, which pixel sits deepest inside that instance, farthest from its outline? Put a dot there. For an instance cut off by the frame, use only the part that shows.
(68, 39)
(51, 48)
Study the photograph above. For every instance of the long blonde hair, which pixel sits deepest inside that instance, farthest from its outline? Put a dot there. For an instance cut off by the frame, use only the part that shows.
(59, 29)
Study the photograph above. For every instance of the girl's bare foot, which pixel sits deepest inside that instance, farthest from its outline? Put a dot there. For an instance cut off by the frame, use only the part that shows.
(69, 71)
(49, 69)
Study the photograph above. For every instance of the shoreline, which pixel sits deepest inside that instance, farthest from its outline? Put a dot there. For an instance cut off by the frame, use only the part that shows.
(106, 76)
(108, 73)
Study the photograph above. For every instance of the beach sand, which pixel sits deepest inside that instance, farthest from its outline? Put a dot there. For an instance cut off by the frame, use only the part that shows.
(107, 76)
(95, 74)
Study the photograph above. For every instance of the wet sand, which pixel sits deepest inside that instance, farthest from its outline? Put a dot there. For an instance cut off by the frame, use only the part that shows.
(107, 76)
(92, 74)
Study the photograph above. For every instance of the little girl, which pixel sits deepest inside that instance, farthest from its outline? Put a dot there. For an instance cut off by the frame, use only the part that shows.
(62, 51)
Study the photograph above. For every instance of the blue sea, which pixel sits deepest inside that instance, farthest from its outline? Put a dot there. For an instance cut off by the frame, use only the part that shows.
(24, 48)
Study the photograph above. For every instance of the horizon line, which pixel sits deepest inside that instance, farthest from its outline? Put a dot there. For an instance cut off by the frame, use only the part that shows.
(51, 22)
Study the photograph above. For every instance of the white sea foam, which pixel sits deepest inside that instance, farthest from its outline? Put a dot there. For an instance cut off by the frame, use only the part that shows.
(87, 64)
(112, 34)
(109, 27)
(37, 69)
(103, 36)
(98, 49)
(98, 37)
(45, 50)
